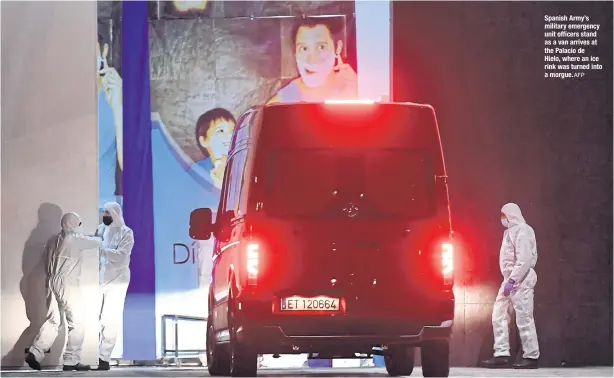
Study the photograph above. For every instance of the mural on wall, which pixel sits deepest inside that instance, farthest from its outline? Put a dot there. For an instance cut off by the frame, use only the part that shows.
(210, 61)
(208, 64)
(110, 116)
(110, 104)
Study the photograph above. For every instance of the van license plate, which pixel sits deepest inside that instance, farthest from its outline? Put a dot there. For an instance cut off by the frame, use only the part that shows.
(310, 304)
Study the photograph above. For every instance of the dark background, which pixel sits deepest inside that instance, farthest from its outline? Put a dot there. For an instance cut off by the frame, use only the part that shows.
(510, 135)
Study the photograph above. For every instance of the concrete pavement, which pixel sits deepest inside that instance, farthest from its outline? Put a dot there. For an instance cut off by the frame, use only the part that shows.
(319, 373)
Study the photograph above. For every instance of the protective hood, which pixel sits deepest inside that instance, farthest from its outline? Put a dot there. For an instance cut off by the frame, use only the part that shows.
(513, 214)
(71, 222)
(115, 210)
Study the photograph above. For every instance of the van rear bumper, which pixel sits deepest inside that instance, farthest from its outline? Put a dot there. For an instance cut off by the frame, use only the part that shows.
(273, 339)
(354, 328)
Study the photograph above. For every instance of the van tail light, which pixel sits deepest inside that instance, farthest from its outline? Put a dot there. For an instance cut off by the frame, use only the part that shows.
(253, 263)
(447, 263)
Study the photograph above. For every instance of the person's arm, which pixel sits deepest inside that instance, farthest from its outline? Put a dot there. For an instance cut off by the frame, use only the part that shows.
(50, 247)
(123, 250)
(118, 118)
(346, 80)
(113, 86)
(522, 249)
(86, 242)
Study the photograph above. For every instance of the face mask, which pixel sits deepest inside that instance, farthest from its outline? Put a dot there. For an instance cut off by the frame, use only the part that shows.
(505, 223)
(107, 220)
(318, 72)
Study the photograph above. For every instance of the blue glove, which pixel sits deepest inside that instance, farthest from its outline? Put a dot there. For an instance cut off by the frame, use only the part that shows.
(508, 288)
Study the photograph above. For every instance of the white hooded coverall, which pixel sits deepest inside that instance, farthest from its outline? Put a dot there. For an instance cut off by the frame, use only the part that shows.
(64, 261)
(117, 244)
(517, 258)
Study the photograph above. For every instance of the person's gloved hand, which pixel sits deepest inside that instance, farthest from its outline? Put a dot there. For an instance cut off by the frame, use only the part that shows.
(508, 288)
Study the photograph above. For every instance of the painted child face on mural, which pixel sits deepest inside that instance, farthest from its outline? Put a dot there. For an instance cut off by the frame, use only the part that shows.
(214, 132)
(315, 53)
(217, 139)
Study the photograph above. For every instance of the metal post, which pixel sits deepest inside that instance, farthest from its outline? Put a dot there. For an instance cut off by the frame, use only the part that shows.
(176, 339)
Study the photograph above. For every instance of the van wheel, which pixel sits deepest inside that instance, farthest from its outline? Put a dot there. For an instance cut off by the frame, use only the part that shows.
(243, 358)
(218, 359)
(436, 359)
(399, 360)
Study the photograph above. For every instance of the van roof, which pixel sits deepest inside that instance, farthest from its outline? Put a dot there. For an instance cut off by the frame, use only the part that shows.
(343, 102)
(399, 135)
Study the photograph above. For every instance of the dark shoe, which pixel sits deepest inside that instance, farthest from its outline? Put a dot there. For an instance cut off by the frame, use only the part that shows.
(496, 362)
(526, 363)
(32, 363)
(103, 365)
(77, 367)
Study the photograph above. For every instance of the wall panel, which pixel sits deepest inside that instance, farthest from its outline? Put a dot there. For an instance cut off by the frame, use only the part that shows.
(49, 141)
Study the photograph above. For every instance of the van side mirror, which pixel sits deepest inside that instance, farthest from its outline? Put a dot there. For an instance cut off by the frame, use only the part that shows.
(201, 224)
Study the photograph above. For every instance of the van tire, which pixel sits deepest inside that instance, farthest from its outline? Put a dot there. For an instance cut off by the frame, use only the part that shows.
(399, 360)
(218, 359)
(243, 361)
(436, 358)
(243, 358)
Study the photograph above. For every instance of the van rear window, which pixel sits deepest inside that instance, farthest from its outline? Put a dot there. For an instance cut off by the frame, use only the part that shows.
(365, 184)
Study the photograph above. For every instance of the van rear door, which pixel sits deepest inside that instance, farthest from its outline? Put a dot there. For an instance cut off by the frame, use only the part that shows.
(355, 218)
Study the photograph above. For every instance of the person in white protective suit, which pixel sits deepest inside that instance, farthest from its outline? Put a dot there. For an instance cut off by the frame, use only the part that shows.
(65, 253)
(517, 259)
(117, 243)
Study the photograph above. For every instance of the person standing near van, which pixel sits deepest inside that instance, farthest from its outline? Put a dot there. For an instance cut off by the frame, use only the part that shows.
(65, 254)
(517, 260)
(117, 243)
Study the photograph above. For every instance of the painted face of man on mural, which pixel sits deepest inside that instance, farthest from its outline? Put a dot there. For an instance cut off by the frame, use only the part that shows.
(214, 132)
(323, 73)
(315, 54)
